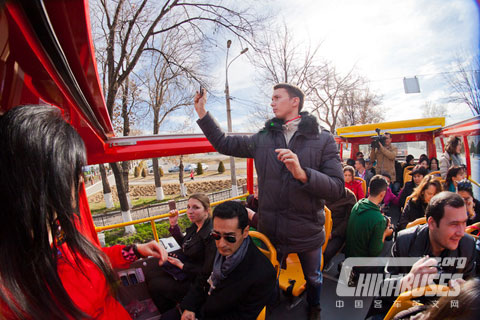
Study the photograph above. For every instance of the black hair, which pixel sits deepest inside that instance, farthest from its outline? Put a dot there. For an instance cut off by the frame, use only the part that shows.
(350, 162)
(409, 158)
(41, 167)
(422, 158)
(230, 210)
(377, 185)
(451, 173)
(361, 161)
(436, 160)
(293, 92)
(436, 206)
(359, 152)
(465, 185)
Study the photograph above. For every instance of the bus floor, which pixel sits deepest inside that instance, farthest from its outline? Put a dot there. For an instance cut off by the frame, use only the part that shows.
(333, 306)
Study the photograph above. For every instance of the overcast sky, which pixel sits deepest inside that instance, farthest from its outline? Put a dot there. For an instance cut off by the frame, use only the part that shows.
(385, 40)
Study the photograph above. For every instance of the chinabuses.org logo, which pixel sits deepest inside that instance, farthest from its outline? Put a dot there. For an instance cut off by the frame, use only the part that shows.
(376, 277)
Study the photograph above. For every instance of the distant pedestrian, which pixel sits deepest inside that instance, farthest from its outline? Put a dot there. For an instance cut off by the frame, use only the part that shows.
(192, 175)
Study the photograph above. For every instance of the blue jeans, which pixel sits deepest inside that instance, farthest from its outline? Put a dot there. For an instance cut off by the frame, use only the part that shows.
(311, 262)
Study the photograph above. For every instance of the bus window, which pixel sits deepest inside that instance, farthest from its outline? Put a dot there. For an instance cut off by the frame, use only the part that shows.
(415, 148)
(365, 149)
(438, 146)
(347, 148)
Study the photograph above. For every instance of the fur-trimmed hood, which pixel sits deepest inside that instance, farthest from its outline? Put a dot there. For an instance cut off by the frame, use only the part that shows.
(308, 124)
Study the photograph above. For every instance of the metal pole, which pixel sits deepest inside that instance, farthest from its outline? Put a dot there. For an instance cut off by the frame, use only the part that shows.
(233, 174)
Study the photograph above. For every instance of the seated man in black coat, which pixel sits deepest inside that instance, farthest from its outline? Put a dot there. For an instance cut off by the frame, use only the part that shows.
(243, 279)
(443, 249)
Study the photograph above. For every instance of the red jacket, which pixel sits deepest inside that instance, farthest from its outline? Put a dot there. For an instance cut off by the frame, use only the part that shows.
(356, 187)
(89, 289)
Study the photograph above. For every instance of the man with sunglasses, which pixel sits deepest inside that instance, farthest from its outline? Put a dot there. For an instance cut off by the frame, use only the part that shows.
(298, 168)
(242, 280)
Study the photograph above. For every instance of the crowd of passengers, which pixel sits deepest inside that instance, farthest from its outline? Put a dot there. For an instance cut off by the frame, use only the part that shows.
(52, 269)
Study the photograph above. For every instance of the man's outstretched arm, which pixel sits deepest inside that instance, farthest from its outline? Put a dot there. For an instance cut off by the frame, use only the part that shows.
(238, 146)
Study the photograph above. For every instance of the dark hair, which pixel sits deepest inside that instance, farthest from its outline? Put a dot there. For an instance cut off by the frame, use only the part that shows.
(422, 158)
(293, 92)
(465, 185)
(350, 162)
(468, 304)
(41, 166)
(452, 143)
(351, 169)
(231, 210)
(377, 185)
(361, 161)
(359, 152)
(436, 206)
(409, 158)
(436, 160)
(388, 134)
(451, 173)
(419, 192)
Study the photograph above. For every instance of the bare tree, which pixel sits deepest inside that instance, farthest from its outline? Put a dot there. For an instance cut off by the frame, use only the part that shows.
(465, 83)
(183, 189)
(361, 106)
(432, 110)
(279, 59)
(329, 93)
(169, 86)
(128, 28)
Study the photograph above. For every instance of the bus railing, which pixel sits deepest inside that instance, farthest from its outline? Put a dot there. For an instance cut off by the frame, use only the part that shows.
(474, 182)
(158, 217)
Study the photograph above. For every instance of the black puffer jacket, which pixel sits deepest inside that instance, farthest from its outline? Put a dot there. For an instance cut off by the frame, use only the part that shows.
(290, 212)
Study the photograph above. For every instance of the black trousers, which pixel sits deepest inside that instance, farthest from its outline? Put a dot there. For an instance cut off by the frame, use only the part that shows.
(165, 291)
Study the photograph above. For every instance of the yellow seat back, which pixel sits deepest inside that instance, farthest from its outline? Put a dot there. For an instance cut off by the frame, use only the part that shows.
(416, 222)
(474, 227)
(328, 230)
(364, 185)
(433, 173)
(405, 300)
(270, 252)
(406, 174)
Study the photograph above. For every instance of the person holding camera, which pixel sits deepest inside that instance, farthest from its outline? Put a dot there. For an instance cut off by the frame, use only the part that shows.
(384, 152)
(367, 226)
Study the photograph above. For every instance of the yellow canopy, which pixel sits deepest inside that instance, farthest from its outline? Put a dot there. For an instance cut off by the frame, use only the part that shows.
(394, 127)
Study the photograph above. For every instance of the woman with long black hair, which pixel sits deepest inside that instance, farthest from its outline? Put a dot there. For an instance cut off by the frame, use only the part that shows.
(49, 269)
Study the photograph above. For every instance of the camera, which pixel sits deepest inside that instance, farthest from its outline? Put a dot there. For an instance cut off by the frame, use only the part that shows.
(378, 139)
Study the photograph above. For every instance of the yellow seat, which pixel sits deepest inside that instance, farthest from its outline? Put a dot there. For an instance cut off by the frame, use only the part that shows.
(271, 253)
(406, 174)
(416, 222)
(434, 173)
(291, 279)
(474, 227)
(364, 185)
(405, 300)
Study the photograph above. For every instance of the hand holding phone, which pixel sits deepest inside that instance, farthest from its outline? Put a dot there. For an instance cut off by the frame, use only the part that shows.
(201, 91)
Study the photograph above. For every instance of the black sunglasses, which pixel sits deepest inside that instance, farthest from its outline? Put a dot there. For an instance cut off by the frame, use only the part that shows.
(217, 236)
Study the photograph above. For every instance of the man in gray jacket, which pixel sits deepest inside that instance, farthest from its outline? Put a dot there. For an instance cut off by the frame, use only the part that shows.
(298, 168)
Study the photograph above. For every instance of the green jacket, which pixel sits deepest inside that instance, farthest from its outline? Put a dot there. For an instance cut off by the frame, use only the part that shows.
(365, 229)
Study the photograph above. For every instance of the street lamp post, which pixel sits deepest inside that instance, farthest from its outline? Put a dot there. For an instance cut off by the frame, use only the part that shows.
(233, 174)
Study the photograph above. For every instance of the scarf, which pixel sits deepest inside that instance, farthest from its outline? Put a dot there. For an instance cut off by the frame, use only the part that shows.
(290, 127)
(223, 266)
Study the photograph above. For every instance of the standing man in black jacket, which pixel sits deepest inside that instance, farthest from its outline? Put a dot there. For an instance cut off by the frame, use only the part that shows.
(298, 168)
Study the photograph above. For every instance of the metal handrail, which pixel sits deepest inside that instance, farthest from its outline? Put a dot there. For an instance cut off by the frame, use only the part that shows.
(161, 216)
(474, 182)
